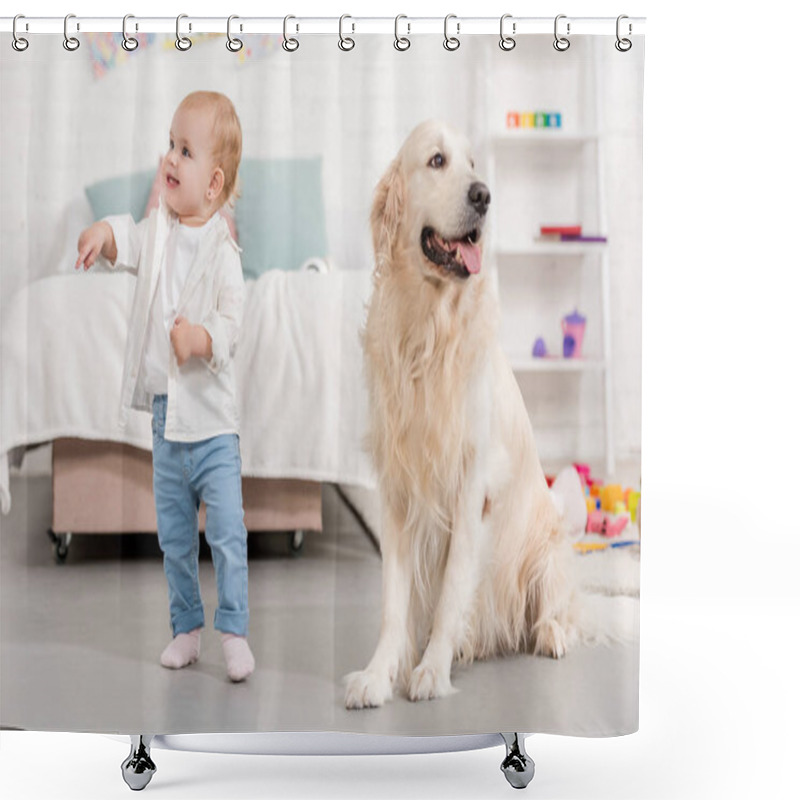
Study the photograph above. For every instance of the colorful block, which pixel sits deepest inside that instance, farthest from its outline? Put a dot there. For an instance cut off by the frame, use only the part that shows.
(610, 496)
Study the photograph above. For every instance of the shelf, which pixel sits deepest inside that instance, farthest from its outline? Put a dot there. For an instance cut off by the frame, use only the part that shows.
(554, 136)
(525, 363)
(552, 249)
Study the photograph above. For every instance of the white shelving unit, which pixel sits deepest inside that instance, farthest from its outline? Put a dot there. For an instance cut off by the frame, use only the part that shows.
(564, 165)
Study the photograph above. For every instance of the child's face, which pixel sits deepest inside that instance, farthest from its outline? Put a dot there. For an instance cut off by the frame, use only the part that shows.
(192, 180)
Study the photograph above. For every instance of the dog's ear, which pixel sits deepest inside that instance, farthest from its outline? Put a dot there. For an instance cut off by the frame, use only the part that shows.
(387, 208)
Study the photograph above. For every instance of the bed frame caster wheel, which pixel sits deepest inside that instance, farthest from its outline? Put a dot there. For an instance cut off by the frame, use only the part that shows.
(296, 541)
(138, 768)
(61, 542)
(517, 766)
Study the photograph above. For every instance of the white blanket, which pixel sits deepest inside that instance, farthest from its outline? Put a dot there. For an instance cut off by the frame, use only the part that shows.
(301, 393)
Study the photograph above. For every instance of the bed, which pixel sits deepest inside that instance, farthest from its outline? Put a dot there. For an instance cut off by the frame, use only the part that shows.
(301, 400)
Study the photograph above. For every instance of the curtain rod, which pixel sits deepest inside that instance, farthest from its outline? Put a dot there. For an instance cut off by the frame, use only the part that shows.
(461, 26)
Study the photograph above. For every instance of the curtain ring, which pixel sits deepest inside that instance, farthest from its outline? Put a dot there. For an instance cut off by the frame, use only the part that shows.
(233, 44)
(346, 43)
(507, 42)
(71, 43)
(129, 43)
(623, 45)
(401, 43)
(561, 43)
(183, 43)
(451, 42)
(18, 42)
(289, 44)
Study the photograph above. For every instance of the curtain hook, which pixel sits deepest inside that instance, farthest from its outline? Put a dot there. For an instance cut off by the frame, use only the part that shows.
(561, 43)
(346, 43)
(451, 42)
(18, 42)
(507, 42)
(183, 43)
(289, 44)
(233, 44)
(623, 45)
(401, 42)
(71, 43)
(129, 43)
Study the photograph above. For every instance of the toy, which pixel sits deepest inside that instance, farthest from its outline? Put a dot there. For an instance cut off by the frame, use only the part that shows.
(539, 348)
(610, 496)
(611, 507)
(587, 547)
(533, 119)
(606, 524)
(633, 505)
(573, 327)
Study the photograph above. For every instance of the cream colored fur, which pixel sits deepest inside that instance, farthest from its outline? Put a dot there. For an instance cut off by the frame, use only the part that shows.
(475, 563)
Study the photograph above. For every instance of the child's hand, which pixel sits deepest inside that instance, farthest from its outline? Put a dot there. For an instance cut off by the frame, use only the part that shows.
(189, 340)
(181, 338)
(94, 241)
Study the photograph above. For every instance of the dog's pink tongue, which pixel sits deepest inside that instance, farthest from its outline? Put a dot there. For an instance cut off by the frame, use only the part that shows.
(471, 256)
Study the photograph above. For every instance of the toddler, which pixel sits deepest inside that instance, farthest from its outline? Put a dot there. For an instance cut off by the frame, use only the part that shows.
(185, 319)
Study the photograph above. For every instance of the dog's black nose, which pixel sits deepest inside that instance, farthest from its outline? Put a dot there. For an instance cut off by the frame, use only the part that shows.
(479, 197)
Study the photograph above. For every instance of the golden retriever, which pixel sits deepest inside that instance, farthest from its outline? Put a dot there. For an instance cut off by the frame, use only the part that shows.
(475, 558)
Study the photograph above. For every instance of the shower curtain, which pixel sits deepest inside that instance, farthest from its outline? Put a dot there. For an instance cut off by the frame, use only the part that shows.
(555, 137)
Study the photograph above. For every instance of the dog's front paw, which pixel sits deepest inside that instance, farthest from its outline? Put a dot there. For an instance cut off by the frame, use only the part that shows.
(367, 689)
(427, 683)
(551, 639)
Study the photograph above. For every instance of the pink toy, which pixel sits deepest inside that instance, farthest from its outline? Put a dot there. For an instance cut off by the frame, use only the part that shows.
(573, 327)
(605, 524)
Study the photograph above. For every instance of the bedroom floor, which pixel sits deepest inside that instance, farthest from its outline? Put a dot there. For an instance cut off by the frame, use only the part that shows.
(79, 644)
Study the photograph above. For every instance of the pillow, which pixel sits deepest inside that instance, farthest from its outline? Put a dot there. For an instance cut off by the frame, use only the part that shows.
(126, 194)
(280, 216)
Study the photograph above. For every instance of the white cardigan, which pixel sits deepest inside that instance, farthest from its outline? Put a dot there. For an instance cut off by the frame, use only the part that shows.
(202, 394)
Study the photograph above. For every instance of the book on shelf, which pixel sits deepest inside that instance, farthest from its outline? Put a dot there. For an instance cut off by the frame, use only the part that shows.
(559, 230)
(567, 233)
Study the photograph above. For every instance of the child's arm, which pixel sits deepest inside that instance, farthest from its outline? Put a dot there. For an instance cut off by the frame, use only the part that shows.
(224, 322)
(117, 239)
(189, 341)
(214, 340)
(96, 240)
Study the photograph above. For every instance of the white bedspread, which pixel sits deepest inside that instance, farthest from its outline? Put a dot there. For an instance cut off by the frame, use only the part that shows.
(299, 372)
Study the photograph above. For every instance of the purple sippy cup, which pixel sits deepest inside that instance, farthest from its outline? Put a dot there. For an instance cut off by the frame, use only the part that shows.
(573, 327)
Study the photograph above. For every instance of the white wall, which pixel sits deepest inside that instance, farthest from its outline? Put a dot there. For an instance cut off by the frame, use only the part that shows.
(62, 129)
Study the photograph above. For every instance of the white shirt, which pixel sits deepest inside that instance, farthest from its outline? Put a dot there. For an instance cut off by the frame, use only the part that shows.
(179, 255)
(202, 393)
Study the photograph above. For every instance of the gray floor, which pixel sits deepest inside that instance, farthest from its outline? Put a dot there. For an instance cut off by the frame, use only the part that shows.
(79, 645)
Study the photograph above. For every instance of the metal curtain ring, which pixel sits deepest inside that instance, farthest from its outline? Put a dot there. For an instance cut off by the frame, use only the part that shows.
(346, 43)
(451, 42)
(401, 42)
(183, 43)
(561, 43)
(507, 42)
(623, 45)
(71, 43)
(18, 42)
(129, 43)
(289, 44)
(233, 44)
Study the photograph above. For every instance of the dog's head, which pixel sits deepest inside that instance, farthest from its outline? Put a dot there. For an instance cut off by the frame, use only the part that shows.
(431, 205)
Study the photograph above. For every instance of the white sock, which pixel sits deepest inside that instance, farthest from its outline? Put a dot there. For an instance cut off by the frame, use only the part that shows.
(183, 650)
(238, 657)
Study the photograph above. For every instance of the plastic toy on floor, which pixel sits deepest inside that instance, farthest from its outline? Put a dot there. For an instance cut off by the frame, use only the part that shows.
(612, 499)
(606, 524)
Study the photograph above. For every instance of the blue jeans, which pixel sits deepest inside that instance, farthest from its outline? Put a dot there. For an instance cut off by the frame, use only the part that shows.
(184, 473)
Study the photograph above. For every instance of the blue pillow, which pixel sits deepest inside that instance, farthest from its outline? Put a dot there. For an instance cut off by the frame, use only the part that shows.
(280, 219)
(127, 194)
